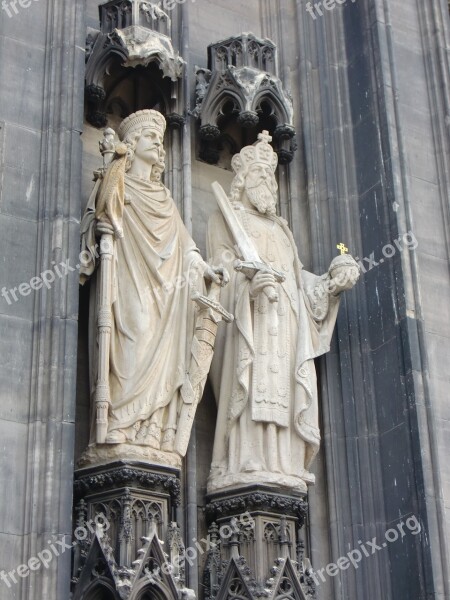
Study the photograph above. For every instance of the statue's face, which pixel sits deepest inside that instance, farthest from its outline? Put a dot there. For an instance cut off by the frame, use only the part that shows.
(148, 146)
(261, 188)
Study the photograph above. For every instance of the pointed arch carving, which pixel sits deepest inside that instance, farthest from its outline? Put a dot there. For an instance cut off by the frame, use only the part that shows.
(102, 589)
(101, 578)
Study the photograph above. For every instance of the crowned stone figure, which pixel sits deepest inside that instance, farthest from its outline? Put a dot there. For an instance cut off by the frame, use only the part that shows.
(155, 269)
(263, 372)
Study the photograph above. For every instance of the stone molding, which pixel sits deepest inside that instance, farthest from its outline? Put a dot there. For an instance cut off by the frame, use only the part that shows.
(98, 479)
(256, 498)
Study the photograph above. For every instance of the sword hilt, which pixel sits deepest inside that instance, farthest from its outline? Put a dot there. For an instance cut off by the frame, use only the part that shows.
(251, 268)
(206, 302)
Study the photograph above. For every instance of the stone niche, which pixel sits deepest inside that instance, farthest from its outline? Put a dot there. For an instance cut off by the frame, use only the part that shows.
(238, 96)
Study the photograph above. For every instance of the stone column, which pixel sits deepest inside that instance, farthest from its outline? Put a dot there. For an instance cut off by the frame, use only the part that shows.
(41, 113)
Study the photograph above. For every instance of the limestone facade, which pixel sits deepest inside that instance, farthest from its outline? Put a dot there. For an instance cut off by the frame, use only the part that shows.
(369, 89)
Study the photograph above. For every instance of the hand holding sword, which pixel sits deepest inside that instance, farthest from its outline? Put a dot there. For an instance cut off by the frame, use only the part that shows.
(250, 264)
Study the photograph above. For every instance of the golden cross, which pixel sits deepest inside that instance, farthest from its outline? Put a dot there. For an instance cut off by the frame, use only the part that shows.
(342, 248)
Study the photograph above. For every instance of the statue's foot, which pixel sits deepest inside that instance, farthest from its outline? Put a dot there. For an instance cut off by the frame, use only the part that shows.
(116, 437)
(168, 440)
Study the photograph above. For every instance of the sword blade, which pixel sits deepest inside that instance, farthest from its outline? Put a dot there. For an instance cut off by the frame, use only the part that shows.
(243, 242)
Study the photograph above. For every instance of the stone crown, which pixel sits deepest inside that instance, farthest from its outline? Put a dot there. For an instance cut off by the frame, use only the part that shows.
(260, 153)
(151, 119)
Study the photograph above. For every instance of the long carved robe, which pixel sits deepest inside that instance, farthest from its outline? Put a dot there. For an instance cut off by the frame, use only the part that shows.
(155, 266)
(263, 372)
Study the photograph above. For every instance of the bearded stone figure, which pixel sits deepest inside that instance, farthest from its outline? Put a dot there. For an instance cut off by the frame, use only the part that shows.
(263, 372)
(149, 318)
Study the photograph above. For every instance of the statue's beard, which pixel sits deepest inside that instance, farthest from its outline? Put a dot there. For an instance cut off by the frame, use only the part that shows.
(262, 198)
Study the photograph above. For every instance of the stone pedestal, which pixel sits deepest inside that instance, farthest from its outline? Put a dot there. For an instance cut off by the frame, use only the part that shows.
(256, 544)
(126, 537)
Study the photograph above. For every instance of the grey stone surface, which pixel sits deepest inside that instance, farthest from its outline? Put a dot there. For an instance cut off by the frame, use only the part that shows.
(21, 98)
(19, 240)
(15, 369)
(369, 93)
(39, 211)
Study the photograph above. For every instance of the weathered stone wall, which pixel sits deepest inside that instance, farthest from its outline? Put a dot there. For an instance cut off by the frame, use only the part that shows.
(415, 90)
(370, 88)
(41, 99)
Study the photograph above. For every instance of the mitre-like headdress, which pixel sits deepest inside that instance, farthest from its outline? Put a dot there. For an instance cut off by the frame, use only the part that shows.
(260, 153)
(148, 119)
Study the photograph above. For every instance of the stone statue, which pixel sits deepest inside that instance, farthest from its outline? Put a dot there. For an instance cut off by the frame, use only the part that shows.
(149, 357)
(263, 372)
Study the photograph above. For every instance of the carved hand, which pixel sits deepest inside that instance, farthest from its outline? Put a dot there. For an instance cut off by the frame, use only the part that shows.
(260, 282)
(344, 280)
(219, 275)
(103, 227)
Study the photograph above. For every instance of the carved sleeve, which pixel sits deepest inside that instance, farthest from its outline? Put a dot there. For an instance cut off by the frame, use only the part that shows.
(317, 293)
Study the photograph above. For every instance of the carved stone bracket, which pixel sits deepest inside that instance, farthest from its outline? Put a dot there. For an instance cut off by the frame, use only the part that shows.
(175, 121)
(242, 86)
(161, 480)
(256, 498)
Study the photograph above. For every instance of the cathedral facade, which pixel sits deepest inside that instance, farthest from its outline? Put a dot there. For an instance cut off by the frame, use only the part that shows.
(247, 395)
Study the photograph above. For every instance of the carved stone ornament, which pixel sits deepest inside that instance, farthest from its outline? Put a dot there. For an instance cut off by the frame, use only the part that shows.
(256, 543)
(116, 475)
(132, 33)
(151, 571)
(124, 511)
(234, 580)
(242, 81)
(256, 498)
(142, 46)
